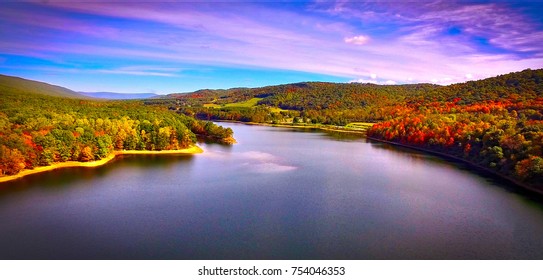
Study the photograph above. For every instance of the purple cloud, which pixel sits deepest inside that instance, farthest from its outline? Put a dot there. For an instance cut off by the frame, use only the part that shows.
(357, 40)
(437, 42)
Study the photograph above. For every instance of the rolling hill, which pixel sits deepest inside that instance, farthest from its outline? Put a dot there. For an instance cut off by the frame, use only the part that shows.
(20, 85)
(118, 96)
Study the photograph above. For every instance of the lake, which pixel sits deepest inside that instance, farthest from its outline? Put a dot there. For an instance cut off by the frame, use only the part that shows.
(279, 193)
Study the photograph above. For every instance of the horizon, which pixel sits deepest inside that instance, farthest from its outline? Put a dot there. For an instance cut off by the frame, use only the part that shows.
(178, 47)
(269, 85)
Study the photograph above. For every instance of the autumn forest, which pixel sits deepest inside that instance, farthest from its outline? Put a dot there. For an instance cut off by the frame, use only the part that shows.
(42, 124)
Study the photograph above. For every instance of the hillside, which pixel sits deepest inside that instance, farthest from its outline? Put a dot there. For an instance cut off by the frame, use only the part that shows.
(307, 95)
(38, 128)
(22, 86)
(118, 96)
(495, 123)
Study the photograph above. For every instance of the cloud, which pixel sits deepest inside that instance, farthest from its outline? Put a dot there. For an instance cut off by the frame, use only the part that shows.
(373, 81)
(364, 81)
(357, 40)
(451, 24)
(499, 24)
(143, 71)
(406, 40)
(137, 73)
(446, 80)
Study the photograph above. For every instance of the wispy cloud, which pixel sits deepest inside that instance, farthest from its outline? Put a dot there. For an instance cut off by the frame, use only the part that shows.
(137, 73)
(360, 41)
(357, 40)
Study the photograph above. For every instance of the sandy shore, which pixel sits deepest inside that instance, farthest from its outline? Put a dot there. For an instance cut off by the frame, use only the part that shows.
(26, 172)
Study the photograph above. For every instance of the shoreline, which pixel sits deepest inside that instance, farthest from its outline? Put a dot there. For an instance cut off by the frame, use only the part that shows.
(469, 163)
(96, 163)
(296, 126)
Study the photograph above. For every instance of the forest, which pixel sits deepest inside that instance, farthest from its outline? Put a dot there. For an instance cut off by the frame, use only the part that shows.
(42, 124)
(495, 123)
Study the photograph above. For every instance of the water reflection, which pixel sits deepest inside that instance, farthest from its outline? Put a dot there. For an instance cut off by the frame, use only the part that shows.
(329, 134)
(64, 178)
(450, 163)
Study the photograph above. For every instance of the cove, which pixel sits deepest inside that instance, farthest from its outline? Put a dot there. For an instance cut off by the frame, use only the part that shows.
(279, 193)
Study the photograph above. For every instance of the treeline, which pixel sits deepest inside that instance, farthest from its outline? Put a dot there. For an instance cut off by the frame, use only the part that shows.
(259, 114)
(497, 136)
(39, 130)
(496, 123)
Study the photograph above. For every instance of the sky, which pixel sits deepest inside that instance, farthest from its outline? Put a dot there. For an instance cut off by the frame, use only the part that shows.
(182, 46)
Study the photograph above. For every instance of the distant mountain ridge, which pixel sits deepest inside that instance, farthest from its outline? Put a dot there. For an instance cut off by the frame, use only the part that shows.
(11, 83)
(318, 96)
(118, 96)
(21, 85)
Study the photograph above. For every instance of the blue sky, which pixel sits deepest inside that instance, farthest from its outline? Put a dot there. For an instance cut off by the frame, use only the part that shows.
(180, 46)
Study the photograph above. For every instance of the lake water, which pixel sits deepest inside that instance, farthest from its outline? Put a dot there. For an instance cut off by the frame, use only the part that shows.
(278, 194)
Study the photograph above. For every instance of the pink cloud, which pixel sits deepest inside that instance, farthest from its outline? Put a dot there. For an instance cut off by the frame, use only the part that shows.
(357, 40)
(254, 36)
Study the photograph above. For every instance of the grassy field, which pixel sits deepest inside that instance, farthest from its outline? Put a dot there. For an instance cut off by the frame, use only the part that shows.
(211, 105)
(359, 125)
(276, 110)
(247, 104)
(354, 126)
